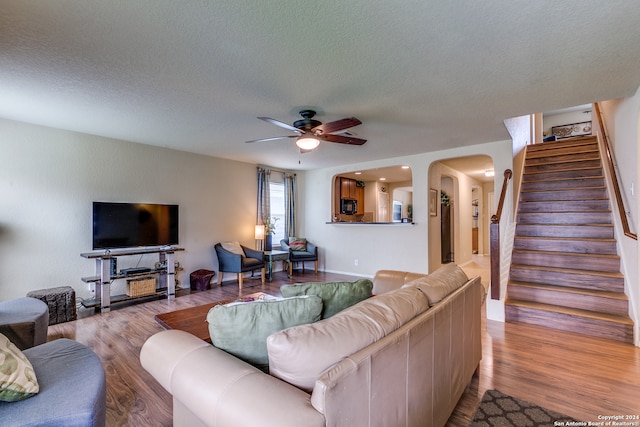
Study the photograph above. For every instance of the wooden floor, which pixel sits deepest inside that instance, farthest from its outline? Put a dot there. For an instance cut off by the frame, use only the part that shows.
(580, 376)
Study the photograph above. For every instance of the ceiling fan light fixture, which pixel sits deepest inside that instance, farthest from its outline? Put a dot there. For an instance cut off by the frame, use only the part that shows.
(307, 143)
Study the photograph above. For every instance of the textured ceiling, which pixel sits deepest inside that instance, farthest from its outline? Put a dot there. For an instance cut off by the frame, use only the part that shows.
(421, 75)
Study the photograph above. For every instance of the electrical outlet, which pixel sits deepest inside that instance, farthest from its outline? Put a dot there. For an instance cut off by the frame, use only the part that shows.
(355, 262)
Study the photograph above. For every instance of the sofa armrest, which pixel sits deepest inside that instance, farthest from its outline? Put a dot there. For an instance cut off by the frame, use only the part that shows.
(252, 253)
(228, 261)
(312, 248)
(215, 386)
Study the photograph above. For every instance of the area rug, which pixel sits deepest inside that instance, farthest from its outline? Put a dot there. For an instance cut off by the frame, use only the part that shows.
(497, 409)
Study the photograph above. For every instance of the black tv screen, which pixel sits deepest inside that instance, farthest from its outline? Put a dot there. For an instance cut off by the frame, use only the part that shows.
(126, 225)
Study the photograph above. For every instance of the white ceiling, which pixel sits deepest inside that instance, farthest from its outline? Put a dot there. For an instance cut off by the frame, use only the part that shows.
(422, 75)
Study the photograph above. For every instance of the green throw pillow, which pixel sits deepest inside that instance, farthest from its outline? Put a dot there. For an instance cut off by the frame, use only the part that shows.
(242, 328)
(17, 377)
(336, 296)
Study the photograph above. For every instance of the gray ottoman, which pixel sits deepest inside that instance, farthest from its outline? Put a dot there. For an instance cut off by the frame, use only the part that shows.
(61, 302)
(24, 321)
(72, 388)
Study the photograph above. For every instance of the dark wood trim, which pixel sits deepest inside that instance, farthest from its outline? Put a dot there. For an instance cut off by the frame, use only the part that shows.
(603, 140)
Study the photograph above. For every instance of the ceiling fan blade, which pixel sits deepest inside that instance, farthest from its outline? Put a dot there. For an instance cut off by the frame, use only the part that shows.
(281, 124)
(341, 139)
(342, 124)
(273, 138)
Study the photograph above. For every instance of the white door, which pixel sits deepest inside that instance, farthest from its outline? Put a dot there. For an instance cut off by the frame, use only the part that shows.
(383, 207)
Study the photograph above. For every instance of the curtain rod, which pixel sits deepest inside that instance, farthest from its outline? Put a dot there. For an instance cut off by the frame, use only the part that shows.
(276, 170)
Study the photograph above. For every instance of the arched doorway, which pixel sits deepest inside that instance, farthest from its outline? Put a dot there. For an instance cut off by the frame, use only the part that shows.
(461, 181)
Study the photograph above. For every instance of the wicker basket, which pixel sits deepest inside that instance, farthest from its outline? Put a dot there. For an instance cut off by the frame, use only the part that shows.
(142, 286)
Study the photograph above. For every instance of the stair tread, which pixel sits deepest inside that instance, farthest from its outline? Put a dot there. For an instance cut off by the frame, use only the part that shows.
(592, 199)
(566, 142)
(573, 254)
(572, 239)
(616, 275)
(570, 290)
(550, 224)
(583, 168)
(551, 179)
(600, 187)
(623, 320)
(539, 158)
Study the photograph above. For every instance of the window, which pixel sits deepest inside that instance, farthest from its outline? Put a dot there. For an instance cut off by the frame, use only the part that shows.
(276, 202)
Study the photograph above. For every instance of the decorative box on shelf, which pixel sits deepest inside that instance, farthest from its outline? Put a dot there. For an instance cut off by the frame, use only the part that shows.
(141, 286)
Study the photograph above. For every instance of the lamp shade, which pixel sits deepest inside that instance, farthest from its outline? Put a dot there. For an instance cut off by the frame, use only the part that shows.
(307, 143)
(259, 232)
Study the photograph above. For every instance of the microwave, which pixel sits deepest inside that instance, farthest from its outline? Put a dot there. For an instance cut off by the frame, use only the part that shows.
(348, 206)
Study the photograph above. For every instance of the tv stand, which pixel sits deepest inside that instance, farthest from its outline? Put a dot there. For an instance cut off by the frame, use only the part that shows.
(103, 278)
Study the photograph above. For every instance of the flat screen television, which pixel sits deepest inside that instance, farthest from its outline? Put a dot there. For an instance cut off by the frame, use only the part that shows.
(127, 225)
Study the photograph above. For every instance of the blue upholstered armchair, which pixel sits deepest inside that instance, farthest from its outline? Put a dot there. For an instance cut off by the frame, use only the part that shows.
(300, 250)
(235, 258)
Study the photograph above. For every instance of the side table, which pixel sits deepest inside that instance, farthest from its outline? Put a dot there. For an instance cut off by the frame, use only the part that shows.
(273, 256)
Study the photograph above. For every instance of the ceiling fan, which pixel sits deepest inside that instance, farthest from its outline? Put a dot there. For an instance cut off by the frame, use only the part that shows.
(309, 132)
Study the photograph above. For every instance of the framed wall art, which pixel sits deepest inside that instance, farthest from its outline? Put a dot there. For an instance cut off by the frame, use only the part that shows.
(433, 202)
(571, 130)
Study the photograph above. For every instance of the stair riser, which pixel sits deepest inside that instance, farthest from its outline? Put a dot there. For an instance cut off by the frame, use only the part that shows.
(564, 206)
(582, 150)
(582, 194)
(542, 159)
(553, 164)
(563, 184)
(572, 280)
(532, 175)
(574, 143)
(570, 323)
(615, 306)
(565, 218)
(566, 260)
(596, 247)
(589, 231)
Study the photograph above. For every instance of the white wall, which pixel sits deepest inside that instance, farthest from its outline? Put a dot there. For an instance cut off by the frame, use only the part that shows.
(398, 246)
(49, 178)
(622, 119)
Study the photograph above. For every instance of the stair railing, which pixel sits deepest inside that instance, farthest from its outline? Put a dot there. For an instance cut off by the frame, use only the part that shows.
(609, 161)
(494, 239)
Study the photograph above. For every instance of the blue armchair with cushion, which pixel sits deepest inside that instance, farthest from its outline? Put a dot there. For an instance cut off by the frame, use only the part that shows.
(300, 250)
(71, 381)
(235, 258)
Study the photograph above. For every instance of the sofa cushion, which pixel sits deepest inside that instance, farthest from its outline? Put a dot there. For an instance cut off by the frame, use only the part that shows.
(440, 283)
(298, 244)
(336, 296)
(299, 355)
(242, 329)
(17, 377)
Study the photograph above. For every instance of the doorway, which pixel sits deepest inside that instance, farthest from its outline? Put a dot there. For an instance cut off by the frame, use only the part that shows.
(447, 234)
(459, 233)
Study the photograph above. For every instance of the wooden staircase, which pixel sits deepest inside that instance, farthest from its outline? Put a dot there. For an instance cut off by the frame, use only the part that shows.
(565, 271)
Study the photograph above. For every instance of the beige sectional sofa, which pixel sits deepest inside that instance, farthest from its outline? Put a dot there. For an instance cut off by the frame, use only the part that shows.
(401, 358)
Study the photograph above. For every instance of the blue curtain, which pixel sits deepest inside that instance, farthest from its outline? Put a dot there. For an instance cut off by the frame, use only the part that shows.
(263, 209)
(290, 205)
